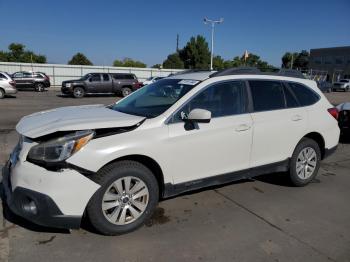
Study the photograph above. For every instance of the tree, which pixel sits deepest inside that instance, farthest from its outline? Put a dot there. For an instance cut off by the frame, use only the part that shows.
(79, 59)
(17, 53)
(218, 63)
(253, 60)
(300, 60)
(196, 54)
(128, 62)
(158, 66)
(173, 61)
(287, 59)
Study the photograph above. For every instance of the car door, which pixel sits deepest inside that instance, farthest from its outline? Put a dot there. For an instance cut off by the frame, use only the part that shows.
(94, 84)
(18, 78)
(28, 80)
(107, 84)
(117, 82)
(278, 122)
(219, 147)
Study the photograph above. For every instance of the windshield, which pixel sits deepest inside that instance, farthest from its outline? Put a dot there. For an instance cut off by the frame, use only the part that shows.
(154, 99)
(85, 77)
(344, 81)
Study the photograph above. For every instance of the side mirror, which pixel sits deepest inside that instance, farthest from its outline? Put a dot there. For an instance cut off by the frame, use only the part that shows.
(199, 116)
(90, 79)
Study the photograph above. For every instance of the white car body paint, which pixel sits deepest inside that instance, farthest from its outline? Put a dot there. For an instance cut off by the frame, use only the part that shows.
(224, 145)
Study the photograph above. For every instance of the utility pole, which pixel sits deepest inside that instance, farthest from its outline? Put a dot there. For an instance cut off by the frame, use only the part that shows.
(212, 22)
(177, 43)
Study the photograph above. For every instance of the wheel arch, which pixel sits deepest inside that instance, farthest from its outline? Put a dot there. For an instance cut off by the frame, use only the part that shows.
(150, 163)
(318, 138)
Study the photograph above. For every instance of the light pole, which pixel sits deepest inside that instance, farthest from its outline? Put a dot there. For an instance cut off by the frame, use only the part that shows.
(212, 22)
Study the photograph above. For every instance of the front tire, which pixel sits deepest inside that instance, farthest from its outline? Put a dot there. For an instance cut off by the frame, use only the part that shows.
(126, 199)
(305, 162)
(78, 92)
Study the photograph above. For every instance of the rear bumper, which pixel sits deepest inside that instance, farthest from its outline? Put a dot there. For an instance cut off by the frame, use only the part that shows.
(10, 91)
(34, 206)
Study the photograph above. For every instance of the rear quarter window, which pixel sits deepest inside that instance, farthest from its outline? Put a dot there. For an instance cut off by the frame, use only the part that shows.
(2, 76)
(305, 95)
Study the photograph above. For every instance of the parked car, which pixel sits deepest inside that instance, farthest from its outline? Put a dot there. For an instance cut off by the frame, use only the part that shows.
(37, 80)
(7, 85)
(113, 163)
(92, 83)
(152, 79)
(324, 86)
(343, 85)
(344, 118)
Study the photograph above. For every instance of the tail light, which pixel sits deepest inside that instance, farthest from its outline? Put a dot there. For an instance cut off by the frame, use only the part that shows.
(334, 112)
(13, 83)
(138, 84)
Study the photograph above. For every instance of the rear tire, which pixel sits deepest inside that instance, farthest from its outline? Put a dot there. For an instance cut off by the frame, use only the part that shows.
(78, 92)
(116, 208)
(305, 162)
(126, 91)
(39, 87)
(2, 93)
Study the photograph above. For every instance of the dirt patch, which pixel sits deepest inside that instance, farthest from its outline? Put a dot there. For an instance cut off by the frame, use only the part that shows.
(158, 218)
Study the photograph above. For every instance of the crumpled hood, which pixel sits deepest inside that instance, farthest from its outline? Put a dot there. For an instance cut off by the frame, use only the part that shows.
(74, 118)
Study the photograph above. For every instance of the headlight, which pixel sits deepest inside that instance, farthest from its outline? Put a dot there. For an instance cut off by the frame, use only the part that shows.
(60, 149)
(68, 85)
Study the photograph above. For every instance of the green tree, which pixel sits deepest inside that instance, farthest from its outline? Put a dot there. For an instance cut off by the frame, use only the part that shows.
(253, 60)
(300, 60)
(17, 53)
(173, 61)
(79, 59)
(158, 66)
(218, 63)
(128, 62)
(196, 54)
(287, 59)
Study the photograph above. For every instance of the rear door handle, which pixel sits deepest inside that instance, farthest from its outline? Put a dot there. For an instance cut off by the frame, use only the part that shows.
(243, 127)
(297, 118)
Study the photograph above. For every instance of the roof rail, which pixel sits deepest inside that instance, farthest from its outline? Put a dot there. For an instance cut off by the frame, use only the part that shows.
(256, 71)
(237, 71)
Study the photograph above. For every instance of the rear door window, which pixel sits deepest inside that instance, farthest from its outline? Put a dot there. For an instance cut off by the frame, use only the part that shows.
(267, 95)
(304, 94)
(291, 100)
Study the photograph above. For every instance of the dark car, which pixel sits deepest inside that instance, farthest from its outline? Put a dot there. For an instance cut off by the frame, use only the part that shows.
(344, 118)
(92, 83)
(37, 80)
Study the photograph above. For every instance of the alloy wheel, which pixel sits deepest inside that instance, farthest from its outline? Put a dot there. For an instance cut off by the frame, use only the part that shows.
(306, 163)
(125, 200)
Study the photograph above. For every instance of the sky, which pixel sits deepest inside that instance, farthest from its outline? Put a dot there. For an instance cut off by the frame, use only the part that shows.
(146, 30)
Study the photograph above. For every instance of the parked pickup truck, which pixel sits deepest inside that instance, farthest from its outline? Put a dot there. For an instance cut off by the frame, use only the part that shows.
(92, 83)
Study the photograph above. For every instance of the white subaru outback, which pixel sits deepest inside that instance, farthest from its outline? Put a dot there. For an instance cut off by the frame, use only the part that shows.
(113, 163)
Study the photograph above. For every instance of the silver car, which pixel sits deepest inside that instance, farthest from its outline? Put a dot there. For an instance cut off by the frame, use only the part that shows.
(342, 84)
(7, 85)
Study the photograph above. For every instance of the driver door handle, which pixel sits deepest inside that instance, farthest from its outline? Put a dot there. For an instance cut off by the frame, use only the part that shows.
(243, 127)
